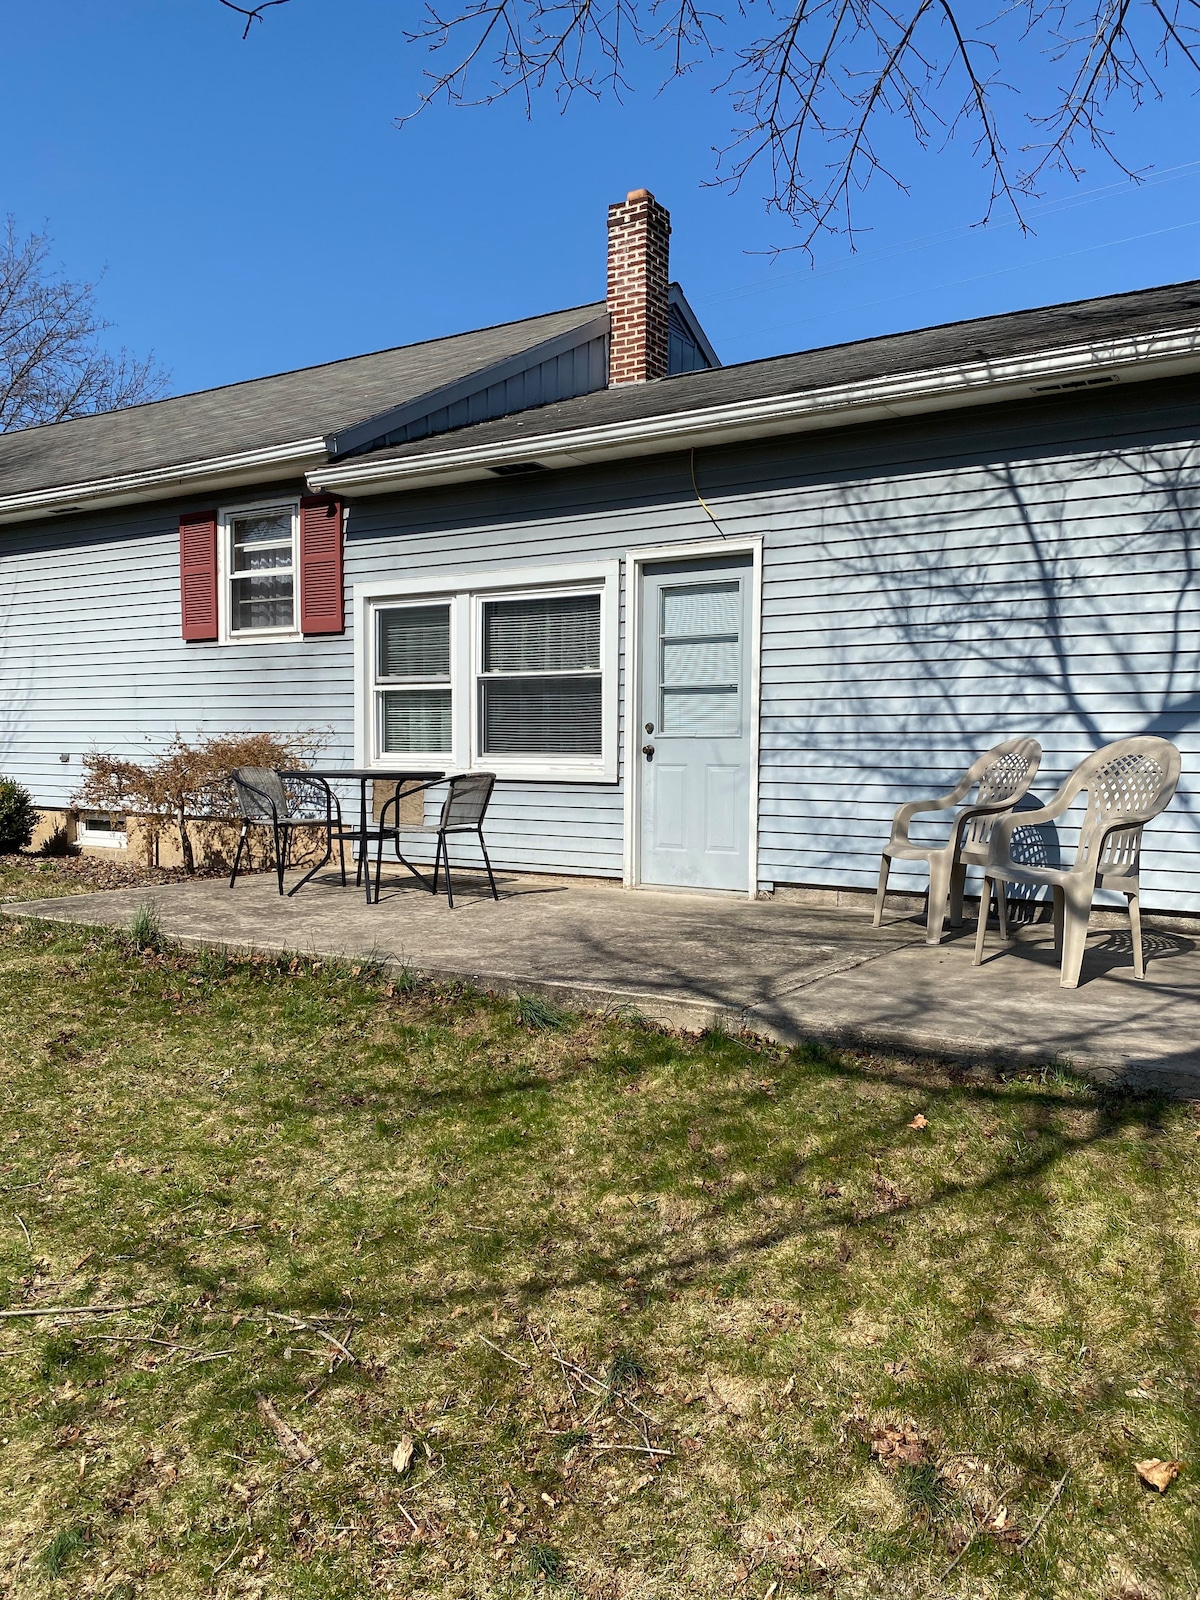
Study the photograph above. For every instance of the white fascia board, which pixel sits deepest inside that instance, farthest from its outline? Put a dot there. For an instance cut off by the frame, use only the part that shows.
(1154, 355)
(165, 483)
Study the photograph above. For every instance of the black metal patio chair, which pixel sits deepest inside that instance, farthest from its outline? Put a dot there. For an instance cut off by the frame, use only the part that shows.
(463, 811)
(285, 802)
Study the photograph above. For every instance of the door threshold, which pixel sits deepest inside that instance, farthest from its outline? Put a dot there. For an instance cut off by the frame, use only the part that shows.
(687, 888)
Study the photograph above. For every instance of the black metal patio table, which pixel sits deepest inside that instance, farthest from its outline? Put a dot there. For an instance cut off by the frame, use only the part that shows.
(417, 777)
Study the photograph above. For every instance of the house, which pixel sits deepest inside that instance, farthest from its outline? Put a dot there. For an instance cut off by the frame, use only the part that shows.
(708, 624)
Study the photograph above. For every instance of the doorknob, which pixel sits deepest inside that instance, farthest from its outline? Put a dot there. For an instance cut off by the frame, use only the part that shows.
(648, 751)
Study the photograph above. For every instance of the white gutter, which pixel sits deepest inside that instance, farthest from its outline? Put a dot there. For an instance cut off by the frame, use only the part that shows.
(159, 483)
(1069, 367)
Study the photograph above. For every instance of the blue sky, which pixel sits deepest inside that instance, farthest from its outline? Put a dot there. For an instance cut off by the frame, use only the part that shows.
(255, 208)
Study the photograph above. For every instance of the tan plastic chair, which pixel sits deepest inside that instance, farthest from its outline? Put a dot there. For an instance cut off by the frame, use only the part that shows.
(1127, 784)
(1003, 776)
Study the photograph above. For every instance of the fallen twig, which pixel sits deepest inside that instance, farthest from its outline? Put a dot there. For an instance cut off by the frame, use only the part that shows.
(524, 1365)
(230, 1556)
(1050, 1504)
(831, 1529)
(24, 1229)
(297, 1322)
(290, 1442)
(638, 1449)
(961, 1553)
(566, 1377)
(76, 1311)
(145, 1338)
(411, 1520)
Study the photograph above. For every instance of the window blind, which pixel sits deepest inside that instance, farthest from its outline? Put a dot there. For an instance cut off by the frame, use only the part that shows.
(542, 716)
(416, 720)
(414, 642)
(559, 633)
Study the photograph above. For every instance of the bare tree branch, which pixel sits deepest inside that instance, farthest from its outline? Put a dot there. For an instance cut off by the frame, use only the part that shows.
(252, 14)
(826, 92)
(52, 365)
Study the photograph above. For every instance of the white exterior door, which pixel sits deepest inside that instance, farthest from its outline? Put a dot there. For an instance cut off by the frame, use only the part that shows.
(694, 746)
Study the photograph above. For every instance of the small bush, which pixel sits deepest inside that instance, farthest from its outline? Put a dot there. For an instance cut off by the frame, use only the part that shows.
(59, 843)
(18, 816)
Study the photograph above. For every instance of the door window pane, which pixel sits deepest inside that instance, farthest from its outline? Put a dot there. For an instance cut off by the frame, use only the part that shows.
(701, 609)
(700, 659)
(711, 713)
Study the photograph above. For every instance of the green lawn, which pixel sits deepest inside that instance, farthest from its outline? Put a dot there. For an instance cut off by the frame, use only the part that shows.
(655, 1315)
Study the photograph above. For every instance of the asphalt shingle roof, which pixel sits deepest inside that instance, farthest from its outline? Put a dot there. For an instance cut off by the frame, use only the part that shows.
(278, 410)
(986, 338)
(316, 401)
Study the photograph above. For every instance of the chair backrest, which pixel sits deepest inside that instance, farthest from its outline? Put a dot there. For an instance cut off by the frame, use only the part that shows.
(466, 804)
(1006, 771)
(1128, 782)
(256, 790)
(1004, 774)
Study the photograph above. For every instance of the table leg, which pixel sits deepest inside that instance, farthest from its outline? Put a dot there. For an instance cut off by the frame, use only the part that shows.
(362, 835)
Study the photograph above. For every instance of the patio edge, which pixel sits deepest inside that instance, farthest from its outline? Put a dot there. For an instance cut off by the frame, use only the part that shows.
(695, 1016)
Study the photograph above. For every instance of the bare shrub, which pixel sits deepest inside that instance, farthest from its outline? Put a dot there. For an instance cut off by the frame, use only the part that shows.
(186, 781)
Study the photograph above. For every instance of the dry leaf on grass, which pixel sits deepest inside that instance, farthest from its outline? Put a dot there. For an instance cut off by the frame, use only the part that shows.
(403, 1453)
(919, 1121)
(290, 1442)
(894, 1446)
(1157, 1474)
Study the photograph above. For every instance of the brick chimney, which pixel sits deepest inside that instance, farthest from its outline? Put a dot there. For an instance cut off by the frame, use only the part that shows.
(639, 232)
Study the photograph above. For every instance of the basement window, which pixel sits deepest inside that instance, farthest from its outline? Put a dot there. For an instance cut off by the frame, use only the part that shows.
(104, 829)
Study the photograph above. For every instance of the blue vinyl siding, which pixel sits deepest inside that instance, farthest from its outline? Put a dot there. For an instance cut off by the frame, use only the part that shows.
(929, 588)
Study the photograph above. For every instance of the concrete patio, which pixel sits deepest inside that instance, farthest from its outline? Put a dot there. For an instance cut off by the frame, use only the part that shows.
(778, 968)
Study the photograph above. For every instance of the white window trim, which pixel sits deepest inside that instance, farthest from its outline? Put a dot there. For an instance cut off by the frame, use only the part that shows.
(635, 562)
(105, 839)
(227, 633)
(465, 592)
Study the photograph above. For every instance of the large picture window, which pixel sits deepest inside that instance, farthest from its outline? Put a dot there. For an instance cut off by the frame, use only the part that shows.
(513, 675)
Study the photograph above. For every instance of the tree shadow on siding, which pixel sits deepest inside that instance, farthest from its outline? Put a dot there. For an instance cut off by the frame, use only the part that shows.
(996, 599)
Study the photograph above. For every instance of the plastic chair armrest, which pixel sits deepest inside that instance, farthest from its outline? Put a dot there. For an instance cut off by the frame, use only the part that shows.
(911, 808)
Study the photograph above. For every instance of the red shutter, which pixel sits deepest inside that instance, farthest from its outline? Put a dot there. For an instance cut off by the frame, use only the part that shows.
(321, 608)
(198, 574)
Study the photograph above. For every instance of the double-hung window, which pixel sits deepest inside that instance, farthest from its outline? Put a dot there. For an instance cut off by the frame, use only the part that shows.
(260, 570)
(414, 699)
(515, 672)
